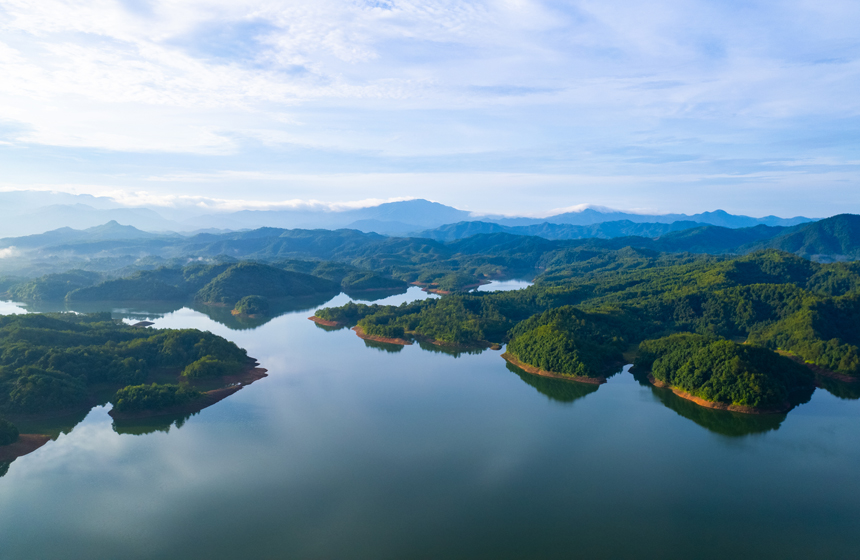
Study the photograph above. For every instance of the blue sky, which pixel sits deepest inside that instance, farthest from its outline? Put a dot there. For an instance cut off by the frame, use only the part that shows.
(517, 106)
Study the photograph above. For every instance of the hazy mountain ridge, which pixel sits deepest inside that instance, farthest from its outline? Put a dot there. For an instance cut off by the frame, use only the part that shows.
(28, 213)
(547, 230)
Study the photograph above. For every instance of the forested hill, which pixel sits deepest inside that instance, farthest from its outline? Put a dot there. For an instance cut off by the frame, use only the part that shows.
(220, 283)
(487, 255)
(579, 323)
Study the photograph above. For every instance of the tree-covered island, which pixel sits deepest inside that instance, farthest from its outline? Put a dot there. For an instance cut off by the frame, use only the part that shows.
(614, 307)
(55, 364)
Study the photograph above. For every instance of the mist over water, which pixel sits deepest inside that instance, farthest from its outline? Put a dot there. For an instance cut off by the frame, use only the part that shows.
(350, 450)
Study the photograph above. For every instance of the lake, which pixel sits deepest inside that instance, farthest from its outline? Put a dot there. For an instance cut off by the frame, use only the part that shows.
(351, 450)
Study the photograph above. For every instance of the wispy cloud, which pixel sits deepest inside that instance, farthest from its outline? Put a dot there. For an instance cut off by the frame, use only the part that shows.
(581, 89)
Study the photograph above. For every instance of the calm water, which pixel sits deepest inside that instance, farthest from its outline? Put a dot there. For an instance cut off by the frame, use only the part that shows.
(503, 285)
(350, 451)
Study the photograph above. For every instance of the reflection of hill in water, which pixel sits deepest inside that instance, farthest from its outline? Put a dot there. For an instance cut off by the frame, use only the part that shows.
(723, 422)
(375, 295)
(137, 310)
(120, 309)
(277, 307)
(451, 351)
(556, 389)
(847, 391)
(383, 346)
(149, 425)
(52, 426)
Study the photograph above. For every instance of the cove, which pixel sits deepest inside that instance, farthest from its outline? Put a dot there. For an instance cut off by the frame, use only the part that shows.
(356, 450)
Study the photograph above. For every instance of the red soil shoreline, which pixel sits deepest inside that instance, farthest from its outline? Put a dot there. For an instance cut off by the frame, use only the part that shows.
(324, 322)
(543, 373)
(718, 406)
(361, 334)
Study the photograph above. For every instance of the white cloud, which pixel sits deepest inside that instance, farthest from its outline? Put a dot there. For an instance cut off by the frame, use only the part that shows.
(191, 75)
(8, 252)
(361, 100)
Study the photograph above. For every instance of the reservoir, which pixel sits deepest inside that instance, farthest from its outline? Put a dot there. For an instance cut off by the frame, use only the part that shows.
(353, 449)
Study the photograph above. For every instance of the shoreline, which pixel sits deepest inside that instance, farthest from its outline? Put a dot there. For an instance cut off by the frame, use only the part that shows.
(430, 290)
(717, 405)
(207, 399)
(511, 359)
(325, 323)
(456, 346)
(818, 370)
(26, 444)
(239, 314)
(361, 334)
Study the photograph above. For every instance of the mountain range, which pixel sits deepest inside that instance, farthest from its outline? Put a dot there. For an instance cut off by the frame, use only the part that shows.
(28, 213)
(112, 246)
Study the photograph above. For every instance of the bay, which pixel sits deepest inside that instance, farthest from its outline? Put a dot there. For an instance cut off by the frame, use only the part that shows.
(357, 450)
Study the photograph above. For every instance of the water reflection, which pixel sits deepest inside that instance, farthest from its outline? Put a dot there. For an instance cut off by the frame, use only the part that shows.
(841, 389)
(375, 295)
(449, 350)
(376, 345)
(139, 427)
(723, 422)
(556, 389)
(503, 285)
(53, 426)
(277, 307)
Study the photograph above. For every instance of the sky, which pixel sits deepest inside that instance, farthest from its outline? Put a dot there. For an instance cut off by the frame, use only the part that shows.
(513, 106)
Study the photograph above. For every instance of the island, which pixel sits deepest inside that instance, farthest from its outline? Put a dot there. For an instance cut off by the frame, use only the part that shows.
(725, 375)
(53, 365)
(760, 331)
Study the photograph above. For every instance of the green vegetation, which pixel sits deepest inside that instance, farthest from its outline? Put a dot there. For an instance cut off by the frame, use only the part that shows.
(723, 371)
(590, 306)
(365, 280)
(254, 278)
(55, 362)
(252, 305)
(211, 366)
(8, 432)
(53, 287)
(220, 283)
(135, 398)
(569, 341)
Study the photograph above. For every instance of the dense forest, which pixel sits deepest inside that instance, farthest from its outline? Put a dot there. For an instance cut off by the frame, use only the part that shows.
(722, 371)
(593, 299)
(59, 362)
(581, 316)
(135, 398)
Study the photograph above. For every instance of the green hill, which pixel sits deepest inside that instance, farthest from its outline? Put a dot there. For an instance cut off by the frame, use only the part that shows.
(139, 288)
(54, 287)
(243, 279)
(722, 371)
(836, 238)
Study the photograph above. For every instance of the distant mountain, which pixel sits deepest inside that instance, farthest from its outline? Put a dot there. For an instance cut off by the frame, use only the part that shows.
(32, 212)
(81, 216)
(590, 216)
(391, 217)
(547, 230)
(65, 235)
(400, 218)
(383, 227)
